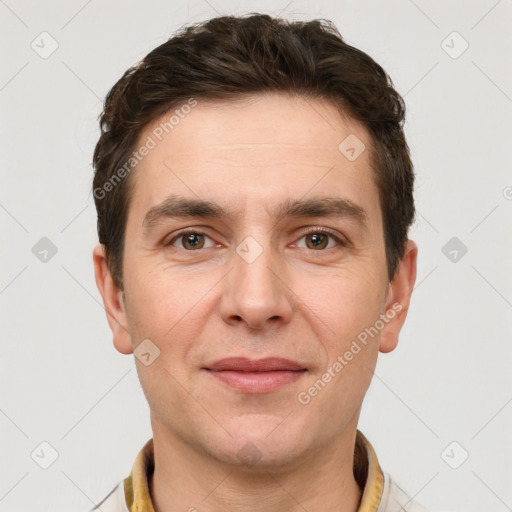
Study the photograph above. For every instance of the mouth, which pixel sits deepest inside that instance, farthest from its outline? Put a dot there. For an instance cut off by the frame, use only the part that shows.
(256, 375)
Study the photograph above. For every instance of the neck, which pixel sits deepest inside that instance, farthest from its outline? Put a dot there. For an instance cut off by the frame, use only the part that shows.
(187, 480)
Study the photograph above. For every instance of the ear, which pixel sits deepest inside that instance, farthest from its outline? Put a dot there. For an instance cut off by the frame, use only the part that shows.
(399, 297)
(113, 301)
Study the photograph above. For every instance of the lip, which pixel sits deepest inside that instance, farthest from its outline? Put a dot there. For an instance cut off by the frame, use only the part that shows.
(244, 364)
(256, 375)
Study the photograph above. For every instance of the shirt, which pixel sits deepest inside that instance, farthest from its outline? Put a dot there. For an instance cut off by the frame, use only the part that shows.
(379, 492)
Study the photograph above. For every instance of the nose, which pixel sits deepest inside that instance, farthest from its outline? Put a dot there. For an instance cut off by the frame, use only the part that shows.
(255, 291)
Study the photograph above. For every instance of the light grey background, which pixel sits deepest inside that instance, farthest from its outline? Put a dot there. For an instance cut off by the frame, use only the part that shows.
(449, 380)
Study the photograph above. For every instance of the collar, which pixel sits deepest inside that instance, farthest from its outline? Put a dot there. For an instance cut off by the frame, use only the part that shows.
(367, 472)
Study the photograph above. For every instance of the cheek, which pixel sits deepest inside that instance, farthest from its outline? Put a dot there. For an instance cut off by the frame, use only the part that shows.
(343, 304)
(344, 307)
(160, 305)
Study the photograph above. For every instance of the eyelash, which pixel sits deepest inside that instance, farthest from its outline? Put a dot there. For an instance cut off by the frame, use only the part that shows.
(312, 230)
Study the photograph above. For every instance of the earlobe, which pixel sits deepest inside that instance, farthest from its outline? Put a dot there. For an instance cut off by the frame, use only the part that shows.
(113, 302)
(399, 297)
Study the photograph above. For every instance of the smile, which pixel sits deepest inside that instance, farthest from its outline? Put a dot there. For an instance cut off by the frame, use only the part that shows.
(256, 376)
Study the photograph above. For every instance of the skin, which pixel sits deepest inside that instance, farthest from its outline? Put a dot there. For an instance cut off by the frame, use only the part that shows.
(294, 301)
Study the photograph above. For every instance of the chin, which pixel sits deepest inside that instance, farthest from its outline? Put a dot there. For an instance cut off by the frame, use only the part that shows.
(261, 442)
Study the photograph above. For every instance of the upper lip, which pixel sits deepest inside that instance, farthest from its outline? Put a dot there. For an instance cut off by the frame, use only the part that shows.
(243, 364)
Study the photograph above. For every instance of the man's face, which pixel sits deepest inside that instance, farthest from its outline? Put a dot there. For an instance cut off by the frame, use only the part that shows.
(290, 263)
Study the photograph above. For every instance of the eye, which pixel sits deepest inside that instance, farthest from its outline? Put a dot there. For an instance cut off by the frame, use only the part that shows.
(191, 241)
(319, 239)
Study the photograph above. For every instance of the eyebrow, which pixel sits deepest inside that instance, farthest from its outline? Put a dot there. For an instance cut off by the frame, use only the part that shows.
(177, 206)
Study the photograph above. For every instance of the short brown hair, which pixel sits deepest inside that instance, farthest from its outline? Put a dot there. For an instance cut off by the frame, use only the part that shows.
(231, 56)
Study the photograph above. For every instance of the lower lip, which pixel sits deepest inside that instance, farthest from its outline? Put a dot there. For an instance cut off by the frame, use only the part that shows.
(257, 382)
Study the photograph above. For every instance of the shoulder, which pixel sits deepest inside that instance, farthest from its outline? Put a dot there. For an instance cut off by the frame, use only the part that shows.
(115, 501)
(395, 499)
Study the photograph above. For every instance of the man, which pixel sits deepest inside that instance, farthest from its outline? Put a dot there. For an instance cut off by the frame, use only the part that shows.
(254, 194)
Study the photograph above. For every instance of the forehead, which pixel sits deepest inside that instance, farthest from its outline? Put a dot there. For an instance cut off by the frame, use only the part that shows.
(255, 150)
(255, 123)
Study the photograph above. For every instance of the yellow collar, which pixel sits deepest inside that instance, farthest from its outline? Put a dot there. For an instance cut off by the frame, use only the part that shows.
(366, 470)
